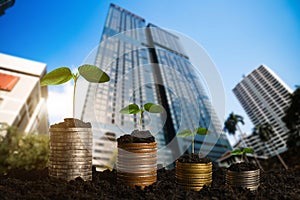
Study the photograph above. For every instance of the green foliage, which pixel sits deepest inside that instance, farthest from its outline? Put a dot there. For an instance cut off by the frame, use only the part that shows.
(264, 131)
(130, 109)
(18, 150)
(293, 139)
(242, 151)
(188, 132)
(201, 131)
(231, 123)
(292, 119)
(149, 107)
(134, 109)
(153, 108)
(248, 150)
(93, 74)
(57, 77)
(237, 152)
(61, 75)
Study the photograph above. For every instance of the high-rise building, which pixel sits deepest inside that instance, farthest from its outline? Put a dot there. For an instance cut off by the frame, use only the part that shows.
(148, 64)
(22, 100)
(265, 97)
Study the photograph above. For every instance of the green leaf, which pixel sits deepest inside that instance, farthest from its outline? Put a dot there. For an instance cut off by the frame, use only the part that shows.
(202, 131)
(130, 109)
(185, 133)
(237, 152)
(93, 74)
(153, 108)
(57, 76)
(248, 150)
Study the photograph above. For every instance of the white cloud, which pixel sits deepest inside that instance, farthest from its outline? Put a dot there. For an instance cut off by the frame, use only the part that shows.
(60, 102)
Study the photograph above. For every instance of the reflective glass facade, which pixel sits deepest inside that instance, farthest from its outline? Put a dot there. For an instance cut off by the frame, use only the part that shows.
(148, 64)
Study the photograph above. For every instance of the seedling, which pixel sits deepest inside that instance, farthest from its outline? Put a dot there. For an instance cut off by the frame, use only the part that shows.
(243, 152)
(62, 75)
(188, 132)
(135, 109)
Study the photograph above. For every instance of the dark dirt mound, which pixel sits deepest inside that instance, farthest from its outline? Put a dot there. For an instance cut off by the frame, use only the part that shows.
(20, 184)
(136, 136)
(193, 158)
(71, 122)
(243, 166)
(291, 157)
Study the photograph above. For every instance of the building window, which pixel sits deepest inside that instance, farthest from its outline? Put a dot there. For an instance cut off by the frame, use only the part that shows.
(7, 82)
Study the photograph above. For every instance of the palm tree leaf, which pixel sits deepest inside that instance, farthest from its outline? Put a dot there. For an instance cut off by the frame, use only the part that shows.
(230, 126)
(239, 118)
(264, 131)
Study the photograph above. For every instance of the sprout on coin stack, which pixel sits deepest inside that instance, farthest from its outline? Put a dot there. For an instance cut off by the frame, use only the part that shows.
(137, 152)
(194, 170)
(243, 174)
(71, 140)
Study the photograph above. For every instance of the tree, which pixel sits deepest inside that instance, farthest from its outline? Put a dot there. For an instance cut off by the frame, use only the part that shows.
(21, 150)
(231, 124)
(265, 132)
(292, 119)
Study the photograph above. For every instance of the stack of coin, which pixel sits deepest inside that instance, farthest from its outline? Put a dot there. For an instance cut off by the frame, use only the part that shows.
(193, 176)
(245, 179)
(137, 164)
(71, 153)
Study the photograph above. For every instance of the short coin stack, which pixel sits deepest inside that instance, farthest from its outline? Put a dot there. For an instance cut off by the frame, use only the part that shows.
(137, 164)
(245, 179)
(193, 176)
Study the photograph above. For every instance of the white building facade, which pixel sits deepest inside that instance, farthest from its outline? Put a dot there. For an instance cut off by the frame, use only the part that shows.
(265, 97)
(22, 100)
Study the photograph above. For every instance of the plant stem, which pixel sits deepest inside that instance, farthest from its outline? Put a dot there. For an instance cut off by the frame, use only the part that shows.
(193, 144)
(244, 158)
(75, 77)
(141, 119)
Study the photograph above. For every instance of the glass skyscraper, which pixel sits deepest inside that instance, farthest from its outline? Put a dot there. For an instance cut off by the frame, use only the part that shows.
(148, 64)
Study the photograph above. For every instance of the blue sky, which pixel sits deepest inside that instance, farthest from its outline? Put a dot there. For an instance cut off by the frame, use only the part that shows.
(238, 35)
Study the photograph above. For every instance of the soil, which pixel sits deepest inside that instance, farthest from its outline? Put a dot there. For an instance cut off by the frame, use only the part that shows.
(136, 136)
(243, 166)
(276, 183)
(193, 158)
(21, 184)
(71, 122)
(291, 158)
